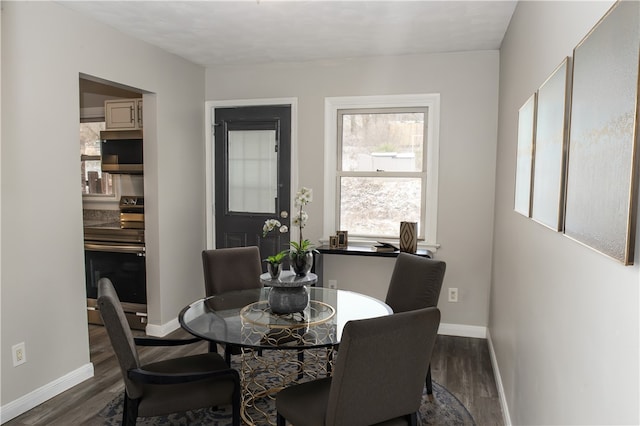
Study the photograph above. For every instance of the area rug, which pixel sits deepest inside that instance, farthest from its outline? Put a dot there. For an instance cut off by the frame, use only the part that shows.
(443, 408)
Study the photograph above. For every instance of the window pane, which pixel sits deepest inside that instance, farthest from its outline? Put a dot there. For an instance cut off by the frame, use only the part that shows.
(371, 206)
(253, 171)
(382, 141)
(90, 138)
(93, 180)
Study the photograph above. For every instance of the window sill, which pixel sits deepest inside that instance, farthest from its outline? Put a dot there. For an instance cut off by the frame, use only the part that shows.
(353, 250)
(367, 243)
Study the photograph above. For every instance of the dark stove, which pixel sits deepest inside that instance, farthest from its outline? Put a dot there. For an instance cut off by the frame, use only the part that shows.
(116, 250)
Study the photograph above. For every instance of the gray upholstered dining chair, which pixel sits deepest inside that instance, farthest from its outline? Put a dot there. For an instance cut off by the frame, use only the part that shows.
(369, 385)
(167, 386)
(228, 269)
(415, 283)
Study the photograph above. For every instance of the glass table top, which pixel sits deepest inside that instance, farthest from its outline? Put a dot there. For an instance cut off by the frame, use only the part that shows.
(243, 318)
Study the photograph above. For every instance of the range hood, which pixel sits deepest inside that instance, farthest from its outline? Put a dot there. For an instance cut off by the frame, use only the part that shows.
(119, 135)
(122, 151)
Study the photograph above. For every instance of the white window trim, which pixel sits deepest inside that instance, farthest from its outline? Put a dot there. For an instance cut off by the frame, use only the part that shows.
(331, 107)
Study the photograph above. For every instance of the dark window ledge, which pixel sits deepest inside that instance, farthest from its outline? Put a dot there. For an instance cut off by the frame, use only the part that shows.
(368, 251)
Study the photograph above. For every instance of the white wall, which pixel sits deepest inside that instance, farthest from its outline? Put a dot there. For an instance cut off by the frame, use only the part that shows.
(1, 351)
(564, 319)
(44, 48)
(468, 84)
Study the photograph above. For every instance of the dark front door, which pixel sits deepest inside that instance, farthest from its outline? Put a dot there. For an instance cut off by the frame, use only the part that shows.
(252, 176)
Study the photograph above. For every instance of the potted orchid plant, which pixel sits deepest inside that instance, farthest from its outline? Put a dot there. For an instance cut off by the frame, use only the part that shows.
(301, 251)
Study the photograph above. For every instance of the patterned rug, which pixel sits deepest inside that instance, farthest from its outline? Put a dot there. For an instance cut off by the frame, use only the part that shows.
(443, 409)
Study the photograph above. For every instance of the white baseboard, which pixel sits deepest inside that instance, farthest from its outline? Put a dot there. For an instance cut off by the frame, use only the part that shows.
(32, 399)
(162, 329)
(498, 378)
(463, 330)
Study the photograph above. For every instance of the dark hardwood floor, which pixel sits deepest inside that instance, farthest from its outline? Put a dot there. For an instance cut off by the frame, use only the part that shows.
(463, 366)
(460, 364)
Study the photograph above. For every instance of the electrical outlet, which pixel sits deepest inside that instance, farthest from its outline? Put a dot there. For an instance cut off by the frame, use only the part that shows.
(333, 284)
(453, 294)
(19, 354)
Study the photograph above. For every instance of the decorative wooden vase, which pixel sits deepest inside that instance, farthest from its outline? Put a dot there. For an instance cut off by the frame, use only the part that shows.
(409, 237)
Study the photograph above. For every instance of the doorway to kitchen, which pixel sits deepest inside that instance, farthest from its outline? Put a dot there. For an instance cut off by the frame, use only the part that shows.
(251, 146)
(112, 186)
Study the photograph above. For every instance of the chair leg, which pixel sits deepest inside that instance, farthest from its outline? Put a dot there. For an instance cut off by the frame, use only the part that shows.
(227, 354)
(413, 419)
(280, 420)
(213, 347)
(129, 410)
(428, 381)
(235, 403)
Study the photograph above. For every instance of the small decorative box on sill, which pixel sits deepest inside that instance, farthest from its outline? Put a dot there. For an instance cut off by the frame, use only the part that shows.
(408, 237)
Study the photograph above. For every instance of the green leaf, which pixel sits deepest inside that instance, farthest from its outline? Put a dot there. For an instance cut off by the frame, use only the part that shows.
(277, 258)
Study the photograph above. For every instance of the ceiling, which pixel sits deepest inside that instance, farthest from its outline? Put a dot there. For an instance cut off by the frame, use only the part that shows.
(215, 33)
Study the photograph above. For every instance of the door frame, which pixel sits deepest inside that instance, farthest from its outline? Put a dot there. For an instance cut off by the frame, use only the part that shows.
(210, 184)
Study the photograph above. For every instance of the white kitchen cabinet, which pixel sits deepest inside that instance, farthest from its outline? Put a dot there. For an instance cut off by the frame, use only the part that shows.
(123, 114)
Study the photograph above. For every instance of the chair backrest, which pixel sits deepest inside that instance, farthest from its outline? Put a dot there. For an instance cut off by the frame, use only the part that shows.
(381, 366)
(119, 333)
(415, 283)
(228, 269)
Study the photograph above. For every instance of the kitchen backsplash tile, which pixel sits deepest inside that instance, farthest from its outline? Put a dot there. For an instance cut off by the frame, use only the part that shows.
(100, 215)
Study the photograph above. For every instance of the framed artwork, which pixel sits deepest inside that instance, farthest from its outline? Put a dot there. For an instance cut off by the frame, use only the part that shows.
(343, 239)
(333, 242)
(602, 182)
(524, 160)
(552, 112)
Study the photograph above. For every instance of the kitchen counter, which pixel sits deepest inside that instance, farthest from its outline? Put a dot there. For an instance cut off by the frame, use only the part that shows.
(101, 224)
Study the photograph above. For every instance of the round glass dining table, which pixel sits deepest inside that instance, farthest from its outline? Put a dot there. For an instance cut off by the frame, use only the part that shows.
(243, 318)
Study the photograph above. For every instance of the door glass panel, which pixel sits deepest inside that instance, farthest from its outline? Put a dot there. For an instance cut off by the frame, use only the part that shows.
(253, 171)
